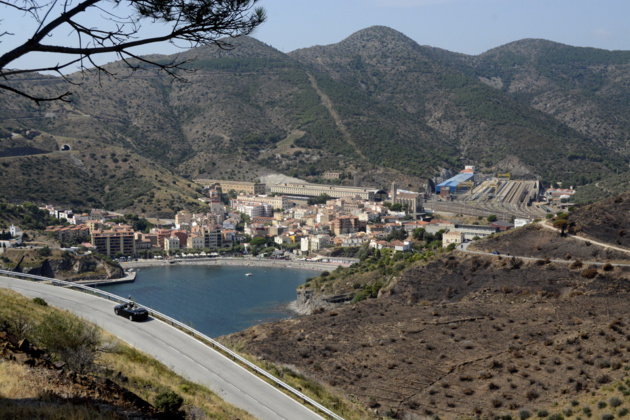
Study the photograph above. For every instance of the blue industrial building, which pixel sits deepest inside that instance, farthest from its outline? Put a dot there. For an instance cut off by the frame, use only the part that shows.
(452, 183)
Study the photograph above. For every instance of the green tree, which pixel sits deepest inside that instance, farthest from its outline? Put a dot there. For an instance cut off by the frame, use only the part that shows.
(492, 218)
(397, 235)
(418, 234)
(561, 224)
(259, 240)
(320, 199)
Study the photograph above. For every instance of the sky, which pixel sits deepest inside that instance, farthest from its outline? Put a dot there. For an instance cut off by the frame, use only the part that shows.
(464, 26)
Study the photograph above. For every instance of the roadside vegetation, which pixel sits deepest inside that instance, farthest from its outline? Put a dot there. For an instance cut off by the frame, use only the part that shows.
(82, 348)
(377, 268)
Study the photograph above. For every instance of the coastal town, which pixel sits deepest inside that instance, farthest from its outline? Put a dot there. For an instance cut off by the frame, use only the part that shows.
(284, 221)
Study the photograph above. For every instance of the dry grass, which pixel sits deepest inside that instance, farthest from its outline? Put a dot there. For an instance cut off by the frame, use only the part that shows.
(24, 392)
(148, 378)
(334, 399)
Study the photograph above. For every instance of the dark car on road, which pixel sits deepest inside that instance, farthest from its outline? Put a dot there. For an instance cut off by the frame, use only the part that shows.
(131, 311)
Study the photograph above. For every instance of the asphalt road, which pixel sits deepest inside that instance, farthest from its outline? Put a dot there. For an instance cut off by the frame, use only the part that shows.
(180, 352)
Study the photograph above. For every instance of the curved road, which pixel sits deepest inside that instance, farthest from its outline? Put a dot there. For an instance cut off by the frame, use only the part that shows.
(180, 352)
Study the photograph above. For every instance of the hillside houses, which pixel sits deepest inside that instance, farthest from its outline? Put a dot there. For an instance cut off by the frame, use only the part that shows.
(303, 229)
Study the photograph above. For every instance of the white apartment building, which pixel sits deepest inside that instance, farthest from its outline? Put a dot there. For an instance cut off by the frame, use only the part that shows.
(252, 208)
(314, 243)
(195, 242)
(171, 243)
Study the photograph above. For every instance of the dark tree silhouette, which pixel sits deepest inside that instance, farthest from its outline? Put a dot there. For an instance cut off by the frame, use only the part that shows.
(118, 31)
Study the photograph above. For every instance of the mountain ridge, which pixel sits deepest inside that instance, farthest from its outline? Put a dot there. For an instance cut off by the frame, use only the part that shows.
(411, 110)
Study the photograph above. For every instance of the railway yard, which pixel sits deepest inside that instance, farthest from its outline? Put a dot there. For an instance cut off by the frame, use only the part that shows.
(502, 197)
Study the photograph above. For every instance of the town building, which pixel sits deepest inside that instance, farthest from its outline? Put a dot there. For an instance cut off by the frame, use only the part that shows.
(276, 202)
(314, 243)
(345, 224)
(472, 231)
(212, 238)
(452, 238)
(393, 245)
(195, 242)
(411, 200)
(502, 225)
(117, 239)
(171, 243)
(183, 217)
(69, 234)
(253, 208)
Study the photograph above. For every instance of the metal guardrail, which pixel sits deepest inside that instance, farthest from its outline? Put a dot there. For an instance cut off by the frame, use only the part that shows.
(195, 334)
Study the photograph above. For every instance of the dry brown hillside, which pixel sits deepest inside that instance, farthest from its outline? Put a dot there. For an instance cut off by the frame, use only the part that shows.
(469, 335)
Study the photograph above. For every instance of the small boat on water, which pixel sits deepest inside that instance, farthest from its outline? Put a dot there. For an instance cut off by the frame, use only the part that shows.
(249, 274)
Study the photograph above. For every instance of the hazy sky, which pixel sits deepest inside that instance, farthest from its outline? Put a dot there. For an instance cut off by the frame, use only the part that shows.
(465, 26)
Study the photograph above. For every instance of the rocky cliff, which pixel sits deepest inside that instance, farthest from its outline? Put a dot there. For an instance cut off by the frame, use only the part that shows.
(73, 268)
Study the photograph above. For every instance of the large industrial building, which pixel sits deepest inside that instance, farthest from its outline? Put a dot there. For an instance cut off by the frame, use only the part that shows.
(315, 190)
(452, 185)
(251, 188)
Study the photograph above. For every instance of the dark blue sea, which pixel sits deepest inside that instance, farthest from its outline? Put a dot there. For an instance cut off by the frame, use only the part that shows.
(216, 300)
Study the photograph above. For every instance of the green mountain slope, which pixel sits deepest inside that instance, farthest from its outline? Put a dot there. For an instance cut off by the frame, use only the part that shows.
(375, 102)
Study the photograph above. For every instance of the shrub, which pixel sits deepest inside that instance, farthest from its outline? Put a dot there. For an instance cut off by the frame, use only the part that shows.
(556, 416)
(70, 340)
(615, 402)
(589, 273)
(44, 252)
(604, 379)
(607, 267)
(39, 301)
(576, 264)
(524, 414)
(622, 412)
(543, 413)
(607, 416)
(531, 395)
(602, 404)
(168, 402)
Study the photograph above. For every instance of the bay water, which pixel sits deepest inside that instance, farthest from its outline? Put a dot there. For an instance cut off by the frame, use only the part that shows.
(216, 300)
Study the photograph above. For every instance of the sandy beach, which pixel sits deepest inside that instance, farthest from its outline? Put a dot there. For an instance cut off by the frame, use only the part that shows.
(241, 262)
